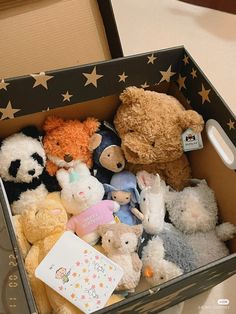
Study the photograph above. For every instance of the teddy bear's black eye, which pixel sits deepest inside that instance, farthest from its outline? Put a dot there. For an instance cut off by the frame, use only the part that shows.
(36, 213)
(108, 155)
(89, 187)
(161, 277)
(153, 144)
(126, 242)
(57, 143)
(182, 210)
(127, 197)
(114, 197)
(109, 240)
(144, 199)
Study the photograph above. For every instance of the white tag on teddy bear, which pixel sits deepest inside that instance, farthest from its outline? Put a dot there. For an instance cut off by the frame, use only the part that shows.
(79, 273)
(191, 140)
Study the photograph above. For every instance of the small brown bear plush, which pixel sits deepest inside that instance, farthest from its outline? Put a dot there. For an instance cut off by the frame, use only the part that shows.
(150, 126)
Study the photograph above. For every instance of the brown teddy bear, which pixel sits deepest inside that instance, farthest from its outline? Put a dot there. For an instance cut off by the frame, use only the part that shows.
(150, 125)
(67, 142)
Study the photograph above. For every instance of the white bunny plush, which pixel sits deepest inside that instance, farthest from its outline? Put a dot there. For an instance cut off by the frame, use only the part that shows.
(194, 212)
(164, 251)
(82, 196)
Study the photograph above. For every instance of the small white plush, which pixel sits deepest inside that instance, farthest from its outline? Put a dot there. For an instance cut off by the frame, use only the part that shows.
(194, 212)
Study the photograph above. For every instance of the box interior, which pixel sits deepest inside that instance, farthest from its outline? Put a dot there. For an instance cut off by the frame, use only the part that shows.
(205, 163)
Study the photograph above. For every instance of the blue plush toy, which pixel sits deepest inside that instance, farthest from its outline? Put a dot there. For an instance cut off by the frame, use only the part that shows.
(123, 189)
(108, 157)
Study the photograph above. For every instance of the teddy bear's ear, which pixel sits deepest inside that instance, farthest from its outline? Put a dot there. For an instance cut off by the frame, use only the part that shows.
(102, 229)
(52, 123)
(138, 230)
(91, 125)
(95, 141)
(131, 95)
(191, 119)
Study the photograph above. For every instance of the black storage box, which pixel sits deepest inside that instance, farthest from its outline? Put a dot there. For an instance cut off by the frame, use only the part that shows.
(94, 91)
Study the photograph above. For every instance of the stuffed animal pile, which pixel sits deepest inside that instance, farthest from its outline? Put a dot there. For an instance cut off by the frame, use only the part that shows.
(114, 185)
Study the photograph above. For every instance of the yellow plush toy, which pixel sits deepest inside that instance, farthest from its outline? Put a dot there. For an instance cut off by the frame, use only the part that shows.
(42, 227)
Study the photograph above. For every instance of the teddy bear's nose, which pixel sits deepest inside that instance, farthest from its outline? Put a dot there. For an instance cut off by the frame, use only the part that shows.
(31, 172)
(68, 158)
(119, 165)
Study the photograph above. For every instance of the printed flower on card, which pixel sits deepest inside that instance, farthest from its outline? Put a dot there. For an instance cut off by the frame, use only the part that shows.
(82, 297)
(84, 270)
(93, 286)
(94, 276)
(96, 257)
(74, 274)
(85, 251)
(72, 295)
(77, 285)
(98, 302)
(110, 279)
(60, 288)
(86, 260)
(101, 285)
(86, 305)
(86, 280)
(78, 264)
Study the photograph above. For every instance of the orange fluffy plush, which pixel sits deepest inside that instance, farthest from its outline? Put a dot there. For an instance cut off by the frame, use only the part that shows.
(68, 142)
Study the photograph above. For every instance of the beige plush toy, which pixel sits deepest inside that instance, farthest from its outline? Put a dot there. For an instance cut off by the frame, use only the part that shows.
(120, 242)
(150, 126)
(42, 227)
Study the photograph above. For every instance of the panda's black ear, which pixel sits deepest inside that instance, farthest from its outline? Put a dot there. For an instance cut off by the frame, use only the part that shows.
(31, 131)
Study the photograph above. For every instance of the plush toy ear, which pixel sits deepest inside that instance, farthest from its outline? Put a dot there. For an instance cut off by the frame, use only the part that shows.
(91, 125)
(145, 179)
(156, 184)
(138, 230)
(191, 119)
(31, 131)
(52, 123)
(62, 177)
(131, 95)
(102, 229)
(95, 141)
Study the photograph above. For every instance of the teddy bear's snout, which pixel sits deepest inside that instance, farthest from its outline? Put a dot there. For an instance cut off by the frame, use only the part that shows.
(68, 158)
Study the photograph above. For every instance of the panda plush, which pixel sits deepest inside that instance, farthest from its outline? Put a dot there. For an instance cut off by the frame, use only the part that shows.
(22, 169)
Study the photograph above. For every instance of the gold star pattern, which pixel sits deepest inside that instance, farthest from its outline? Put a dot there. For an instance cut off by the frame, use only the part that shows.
(8, 112)
(231, 124)
(66, 96)
(166, 75)
(181, 81)
(185, 59)
(194, 73)
(41, 79)
(145, 85)
(122, 77)
(92, 77)
(3, 84)
(151, 59)
(204, 93)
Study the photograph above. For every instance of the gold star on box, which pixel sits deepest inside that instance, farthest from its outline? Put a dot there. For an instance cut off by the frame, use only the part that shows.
(185, 59)
(92, 77)
(194, 73)
(66, 96)
(231, 124)
(166, 75)
(181, 81)
(41, 79)
(204, 93)
(8, 112)
(3, 85)
(151, 59)
(122, 77)
(145, 85)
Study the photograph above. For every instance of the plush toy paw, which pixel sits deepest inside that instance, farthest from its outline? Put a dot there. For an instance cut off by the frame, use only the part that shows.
(226, 231)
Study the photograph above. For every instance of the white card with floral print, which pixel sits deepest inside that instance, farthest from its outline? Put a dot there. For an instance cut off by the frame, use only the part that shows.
(79, 273)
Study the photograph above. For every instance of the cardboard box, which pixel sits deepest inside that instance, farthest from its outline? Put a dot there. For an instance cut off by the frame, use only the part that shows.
(94, 91)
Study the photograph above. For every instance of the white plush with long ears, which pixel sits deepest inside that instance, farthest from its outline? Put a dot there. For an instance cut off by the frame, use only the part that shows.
(152, 203)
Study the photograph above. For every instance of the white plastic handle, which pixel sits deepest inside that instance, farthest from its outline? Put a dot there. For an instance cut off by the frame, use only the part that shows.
(222, 144)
